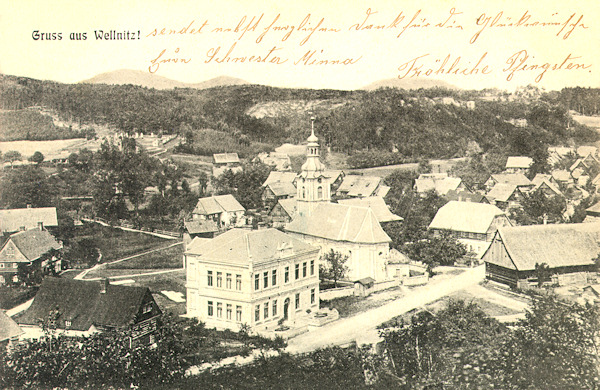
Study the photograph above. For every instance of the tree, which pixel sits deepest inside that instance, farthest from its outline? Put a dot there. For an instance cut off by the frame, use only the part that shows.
(202, 183)
(11, 156)
(244, 185)
(542, 273)
(444, 250)
(27, 186)
(538, 208)
(37, 158)
(333, 266)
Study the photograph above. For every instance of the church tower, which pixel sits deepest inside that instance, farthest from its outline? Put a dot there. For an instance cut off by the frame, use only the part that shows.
(312, 187)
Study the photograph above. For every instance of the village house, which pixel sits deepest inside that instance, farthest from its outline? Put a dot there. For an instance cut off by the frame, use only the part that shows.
(225, 161)
(465, 196)
(27, 251)
(283, 212)
(280, 177)
(569, 250)
(259, 278)
(547, 187)
(358, 186)
(276, 191)
(441, 183)
(562, 176)
(505, 196)
(376, 204)
(12, 220)
(225, 210)
(82, 307)
(472, 224)
(277, 161)
(517, 179)
(518, 164)
(205, 228)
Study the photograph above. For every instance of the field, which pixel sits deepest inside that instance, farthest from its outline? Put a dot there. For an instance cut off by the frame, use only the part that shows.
(166, 258)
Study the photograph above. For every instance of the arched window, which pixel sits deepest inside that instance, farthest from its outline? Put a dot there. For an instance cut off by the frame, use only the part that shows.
(303, 193)
(320, 192)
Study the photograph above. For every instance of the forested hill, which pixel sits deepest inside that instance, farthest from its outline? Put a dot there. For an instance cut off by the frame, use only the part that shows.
(433, 122)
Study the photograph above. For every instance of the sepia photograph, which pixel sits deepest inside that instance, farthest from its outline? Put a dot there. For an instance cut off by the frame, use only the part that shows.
(304, 195)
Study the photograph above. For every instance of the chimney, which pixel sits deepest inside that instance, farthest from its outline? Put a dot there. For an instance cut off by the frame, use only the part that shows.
(104, 285)
(41, 225)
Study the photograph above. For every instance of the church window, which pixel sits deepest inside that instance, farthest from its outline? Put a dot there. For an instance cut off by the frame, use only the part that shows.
(303, 193)
(320, 192)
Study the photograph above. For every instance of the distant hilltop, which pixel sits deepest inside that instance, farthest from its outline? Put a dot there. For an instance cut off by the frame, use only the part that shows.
(408, 84)
(149, 80)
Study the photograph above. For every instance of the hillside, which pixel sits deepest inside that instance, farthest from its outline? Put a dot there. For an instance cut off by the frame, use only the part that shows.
(150, 80)
(409, 84)
(34, 125)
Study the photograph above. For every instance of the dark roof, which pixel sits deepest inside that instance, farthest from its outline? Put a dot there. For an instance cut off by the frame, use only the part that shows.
(82, 303)
(201, 226)
(8, 327)
(34, 243)
(465, 196)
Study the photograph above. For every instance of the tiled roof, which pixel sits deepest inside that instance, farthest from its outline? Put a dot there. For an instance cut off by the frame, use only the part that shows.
(375, 203)
(82, 303)
(225, 158)
(556, 245)
(12, 220)
(34, 243)
(362, 186)
(242, 247)
(465, 217)
(217, 204)
(340, 222)
(522, 162)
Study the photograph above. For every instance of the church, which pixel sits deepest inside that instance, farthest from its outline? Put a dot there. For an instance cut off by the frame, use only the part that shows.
(350, 230)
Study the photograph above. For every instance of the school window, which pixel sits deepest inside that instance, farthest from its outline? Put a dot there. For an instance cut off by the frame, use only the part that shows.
(1, 265)
(256, 281)
(274, 277)
(257, 313)
(312, 296)
(297, 271)
(229, 311)
(238, 282)
(15, 265)
(15, 279)
(210, 308)
(68, 324)
(210, 279)
(228, 281)
(238, 313)
(274, 308)
(266, 309)
(304, 269)
(266, 279)
(312, 267)
(287, 275)
(219, 309)
(219, 279)
(298, 301)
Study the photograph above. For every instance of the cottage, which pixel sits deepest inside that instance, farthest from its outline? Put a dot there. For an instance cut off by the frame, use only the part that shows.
(273, 192)
(259, 278)
(358, 186)
(25, 251)
(280, 177)
(206, 228)
(465, 196)
(438, 182)
(562, 176)
(13, 220)
(505, 196)
(283, 212)
(569, 250)
(517, 179)
(376, 204)
(548, 188)
(225, 161)
(225, 210)
(81, 307)
(473, 224)
(277, 161)
(518, 164)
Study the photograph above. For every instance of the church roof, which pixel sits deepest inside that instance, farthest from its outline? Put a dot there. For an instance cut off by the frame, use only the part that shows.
(375, 203)
(242, 247)
(339, 222)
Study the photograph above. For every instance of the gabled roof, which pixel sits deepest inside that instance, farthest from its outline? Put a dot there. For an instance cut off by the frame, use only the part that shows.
(201, 226)
(519, 162)
(282, 188)
(242, 247)
(556, 245)
(465, 217)
(584, 150)
(225, 158)
(289, 206)
(33, 243)
(83, 303)
(217, 204)
(441, 184)
(275, 177)
(12, 220)
(196, 243)
(339, 222)
(362, 186)
(8, 327)
(332, 174)
(465, 196)
(596, 180)
(517, 179)
(375, 203)
(593, 210)
(540, 177)
(561, 175)
(579, 162)
(548, 184)
(501, 192)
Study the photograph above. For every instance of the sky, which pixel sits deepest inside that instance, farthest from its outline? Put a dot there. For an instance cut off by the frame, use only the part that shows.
(313, 44)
